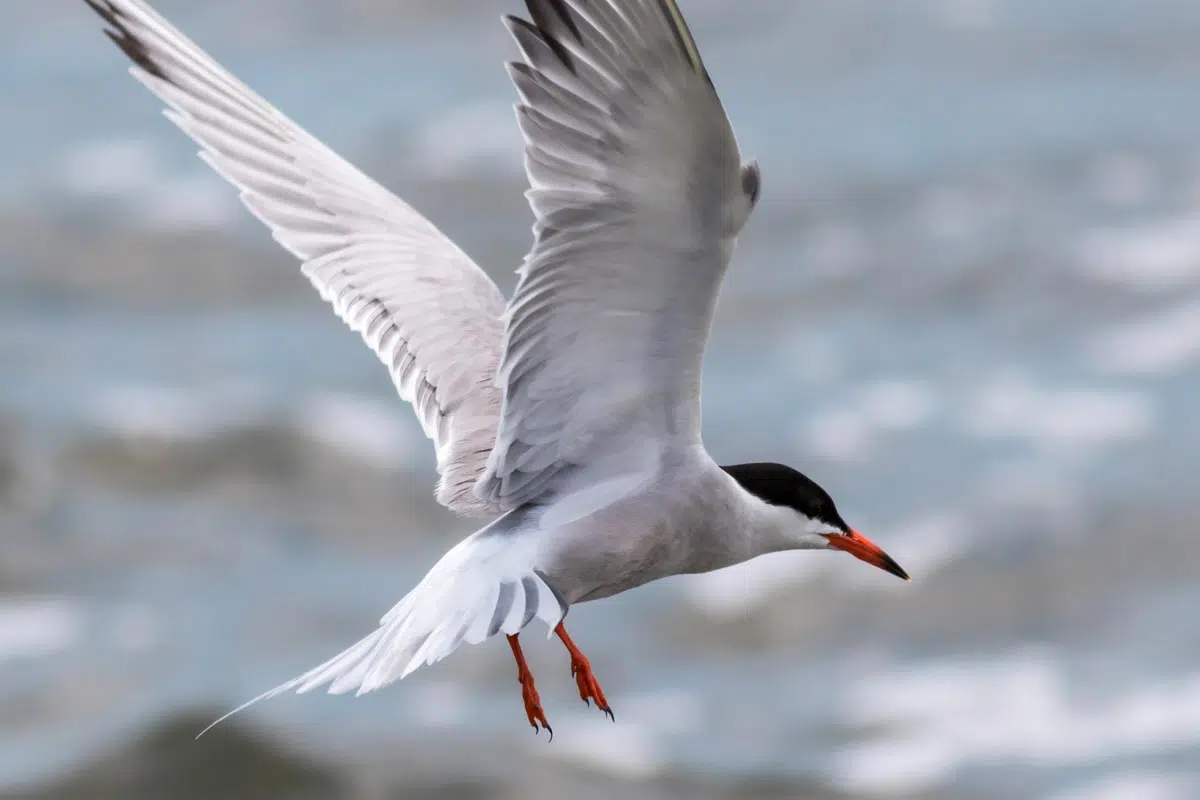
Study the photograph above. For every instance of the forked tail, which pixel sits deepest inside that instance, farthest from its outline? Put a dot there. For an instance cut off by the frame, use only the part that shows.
(486, 585)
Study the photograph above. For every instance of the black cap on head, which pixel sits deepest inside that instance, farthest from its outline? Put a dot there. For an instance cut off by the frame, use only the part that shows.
(780, 485)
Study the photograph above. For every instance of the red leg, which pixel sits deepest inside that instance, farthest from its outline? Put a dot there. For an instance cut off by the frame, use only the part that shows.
(529, 693)
(581, 668)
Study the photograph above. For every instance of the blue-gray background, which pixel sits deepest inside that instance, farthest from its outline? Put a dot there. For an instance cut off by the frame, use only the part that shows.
(968, 304)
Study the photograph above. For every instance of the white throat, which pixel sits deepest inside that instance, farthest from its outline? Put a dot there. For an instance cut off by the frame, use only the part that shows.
(771, 528)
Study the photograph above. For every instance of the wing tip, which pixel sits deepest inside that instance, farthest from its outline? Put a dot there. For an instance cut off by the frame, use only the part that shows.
(545, 13)
(542, 16)
(125, 39)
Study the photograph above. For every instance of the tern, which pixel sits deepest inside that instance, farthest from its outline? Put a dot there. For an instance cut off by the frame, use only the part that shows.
(569, 414)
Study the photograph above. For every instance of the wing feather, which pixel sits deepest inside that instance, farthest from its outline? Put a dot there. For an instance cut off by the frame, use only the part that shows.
(430, 314)
(638, 192)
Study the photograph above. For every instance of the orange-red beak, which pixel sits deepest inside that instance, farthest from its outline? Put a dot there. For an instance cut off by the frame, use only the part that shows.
(864, 549)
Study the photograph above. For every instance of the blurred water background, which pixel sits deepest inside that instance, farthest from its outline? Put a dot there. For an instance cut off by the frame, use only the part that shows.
(968, 304)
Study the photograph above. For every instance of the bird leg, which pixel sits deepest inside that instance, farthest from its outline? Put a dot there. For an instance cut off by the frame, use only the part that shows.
(581, 669)
(529, 693)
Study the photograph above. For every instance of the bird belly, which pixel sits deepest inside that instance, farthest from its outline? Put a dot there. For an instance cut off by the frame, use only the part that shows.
(603, 566)
(635, 542)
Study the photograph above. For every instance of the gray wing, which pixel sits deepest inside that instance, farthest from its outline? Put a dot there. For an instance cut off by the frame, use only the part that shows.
(638, 192)
(430, 314)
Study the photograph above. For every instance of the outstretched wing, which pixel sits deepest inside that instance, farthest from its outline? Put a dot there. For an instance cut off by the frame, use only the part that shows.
(430, 314)
(639, 194)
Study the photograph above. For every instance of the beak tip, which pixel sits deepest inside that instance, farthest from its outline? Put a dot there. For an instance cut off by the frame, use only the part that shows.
(864, 549)
(891, 566)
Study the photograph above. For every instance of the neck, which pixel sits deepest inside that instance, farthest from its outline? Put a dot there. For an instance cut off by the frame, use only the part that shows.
(768, 528)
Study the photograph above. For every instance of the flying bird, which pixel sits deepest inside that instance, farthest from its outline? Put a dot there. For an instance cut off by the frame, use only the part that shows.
(570, 413)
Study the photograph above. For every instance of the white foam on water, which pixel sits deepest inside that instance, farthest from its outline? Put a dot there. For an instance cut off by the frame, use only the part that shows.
(122, 168)
(469, 137)
(1132, 785)
(899, 767)
(1044, 491)
(633, 746)
(812, 358)
(1125, 179)
(1017, 708)
(190, 202)
(1165, 343)
(851, 430)
(367, 430)
(841, 434)
(361, 428)
(836, 249)
(172, 413)
(671, 711)
(735, 591)
(627, 749)
(35, 627)
(132, 171)
(440, 704)
(899, 405)
(1152, 257)
(1012, 407)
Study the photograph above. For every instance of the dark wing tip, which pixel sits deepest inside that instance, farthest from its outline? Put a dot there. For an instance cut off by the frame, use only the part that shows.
(525, 33)
(547, 15)
(124, 38)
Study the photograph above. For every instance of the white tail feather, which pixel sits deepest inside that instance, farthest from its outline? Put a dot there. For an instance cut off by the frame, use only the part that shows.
(486, 585)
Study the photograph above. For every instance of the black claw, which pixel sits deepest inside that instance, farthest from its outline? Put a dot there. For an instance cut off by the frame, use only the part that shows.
(537, 730)
(611, 717)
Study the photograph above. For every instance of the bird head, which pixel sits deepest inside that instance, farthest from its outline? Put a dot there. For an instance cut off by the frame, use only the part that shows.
(802, 515)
